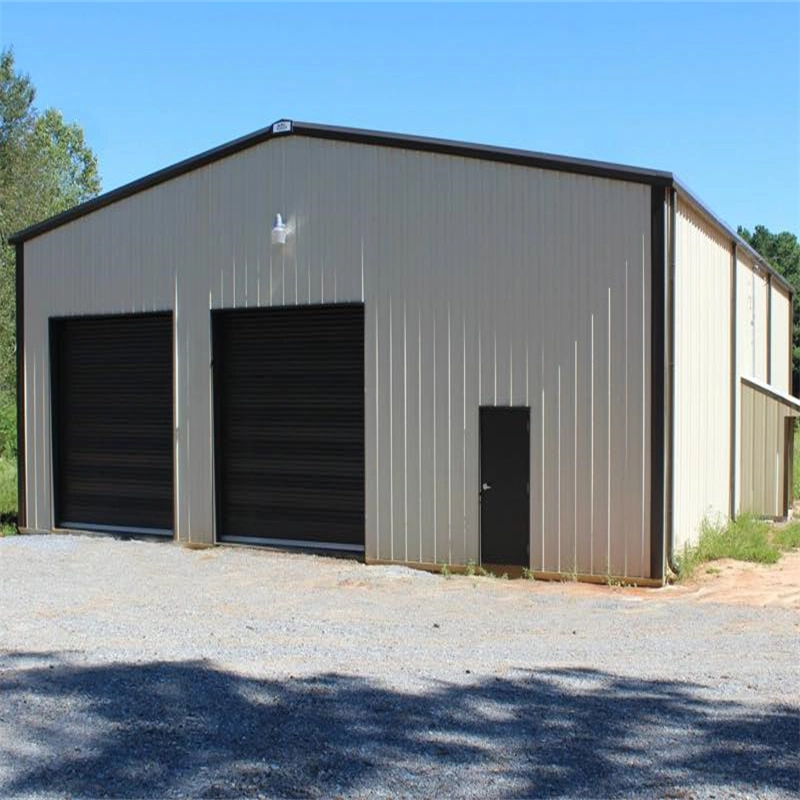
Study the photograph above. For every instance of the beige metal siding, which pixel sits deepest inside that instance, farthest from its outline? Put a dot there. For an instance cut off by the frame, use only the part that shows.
(703, 271)
(760, 324)
(751, 312)
(781, 360)
(745, 328)
(483, 283)
(763, 453)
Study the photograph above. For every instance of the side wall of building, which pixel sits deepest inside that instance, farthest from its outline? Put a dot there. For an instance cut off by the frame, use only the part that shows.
(483, 284)
(712, 456)
(702, 393)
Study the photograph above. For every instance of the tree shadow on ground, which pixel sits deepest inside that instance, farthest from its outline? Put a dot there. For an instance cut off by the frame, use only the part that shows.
(188, 728)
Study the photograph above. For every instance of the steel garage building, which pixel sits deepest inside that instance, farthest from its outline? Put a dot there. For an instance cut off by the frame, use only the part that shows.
(457, 353)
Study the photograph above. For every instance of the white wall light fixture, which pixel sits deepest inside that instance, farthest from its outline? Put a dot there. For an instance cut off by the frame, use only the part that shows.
(279, 230)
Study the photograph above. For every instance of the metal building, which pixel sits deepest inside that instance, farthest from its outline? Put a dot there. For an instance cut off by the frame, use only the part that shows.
(449, 353)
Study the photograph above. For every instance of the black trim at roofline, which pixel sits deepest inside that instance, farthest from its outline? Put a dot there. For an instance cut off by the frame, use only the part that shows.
(375, 138)
(761, 262)
(505, 155)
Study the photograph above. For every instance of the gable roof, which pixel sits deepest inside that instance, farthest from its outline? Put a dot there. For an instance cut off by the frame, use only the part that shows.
(505, 155)
(376, 138)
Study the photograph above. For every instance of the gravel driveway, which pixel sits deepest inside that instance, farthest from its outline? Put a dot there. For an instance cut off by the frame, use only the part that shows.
(149, 670)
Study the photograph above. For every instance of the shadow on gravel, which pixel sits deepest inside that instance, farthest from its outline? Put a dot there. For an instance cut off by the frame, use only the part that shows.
(187, 728)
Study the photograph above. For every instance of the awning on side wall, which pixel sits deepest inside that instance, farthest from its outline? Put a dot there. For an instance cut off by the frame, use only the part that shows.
(767, 436)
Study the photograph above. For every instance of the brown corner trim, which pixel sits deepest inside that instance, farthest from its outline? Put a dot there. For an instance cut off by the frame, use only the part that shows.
(657, 376)
(19, 291)
(281, 128)
(669, 390)
(734, 379)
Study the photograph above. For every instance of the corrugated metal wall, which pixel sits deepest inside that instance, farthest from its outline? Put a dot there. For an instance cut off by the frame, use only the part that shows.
(702, 423)
(751, 312)
(763, 453)
(484, 284)
(780, 355)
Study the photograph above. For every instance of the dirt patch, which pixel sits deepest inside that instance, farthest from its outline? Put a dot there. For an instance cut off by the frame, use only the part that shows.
(740, 582)
(724, 581)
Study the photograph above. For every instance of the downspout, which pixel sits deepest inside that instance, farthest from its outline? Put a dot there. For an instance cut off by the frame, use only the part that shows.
(669, 400)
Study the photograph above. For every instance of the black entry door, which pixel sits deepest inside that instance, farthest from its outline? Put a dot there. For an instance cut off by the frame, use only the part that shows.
(289, 425)
(505, 477)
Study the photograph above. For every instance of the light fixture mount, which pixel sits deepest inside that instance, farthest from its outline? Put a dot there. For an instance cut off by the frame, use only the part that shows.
(279, 230)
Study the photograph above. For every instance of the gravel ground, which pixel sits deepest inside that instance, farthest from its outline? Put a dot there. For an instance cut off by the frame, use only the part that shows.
(132, 669)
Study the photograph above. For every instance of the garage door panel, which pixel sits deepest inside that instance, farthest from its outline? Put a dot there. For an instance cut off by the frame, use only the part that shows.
(289, 424)
(113, 427)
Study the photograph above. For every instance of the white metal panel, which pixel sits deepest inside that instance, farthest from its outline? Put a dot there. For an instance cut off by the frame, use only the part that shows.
(760, 324)
(703, 272)
(780, 350)
(745, 317)
(484, 284)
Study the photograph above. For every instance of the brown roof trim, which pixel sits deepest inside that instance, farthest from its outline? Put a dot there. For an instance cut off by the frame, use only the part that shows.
(375, 138)
(685, 194)
(147, 182)
(505, 155)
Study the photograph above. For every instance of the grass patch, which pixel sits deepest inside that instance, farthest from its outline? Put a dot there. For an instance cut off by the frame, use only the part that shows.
(796, 462)
(745, 539)
(8, 488)
(787, 537)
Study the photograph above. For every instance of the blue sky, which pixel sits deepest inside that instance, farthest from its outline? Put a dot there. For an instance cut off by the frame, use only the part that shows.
(710, 92)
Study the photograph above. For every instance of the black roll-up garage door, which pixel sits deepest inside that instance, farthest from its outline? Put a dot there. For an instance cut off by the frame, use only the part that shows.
(289, 425)
(113, 423)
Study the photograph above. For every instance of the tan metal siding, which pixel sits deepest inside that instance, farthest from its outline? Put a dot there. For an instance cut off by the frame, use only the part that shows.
(751, 344)
(751, 320)
(780, 354)
(760, 324)
(763, 454)
(702, 373)
(745, 328)
(483, 283)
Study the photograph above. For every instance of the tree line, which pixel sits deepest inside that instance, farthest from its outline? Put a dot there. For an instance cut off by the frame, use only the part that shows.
(46, 167)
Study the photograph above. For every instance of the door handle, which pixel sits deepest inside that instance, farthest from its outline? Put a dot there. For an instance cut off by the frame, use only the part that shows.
(485, 487)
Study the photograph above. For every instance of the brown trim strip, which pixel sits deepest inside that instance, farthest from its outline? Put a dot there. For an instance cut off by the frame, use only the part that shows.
(147, 182)
(734, 380)
(19, 280)
(657, 373)
(669, 389)
(376, 138)
(692, 199)
(506, 155)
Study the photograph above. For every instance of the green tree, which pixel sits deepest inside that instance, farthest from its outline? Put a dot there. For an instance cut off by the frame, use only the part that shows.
(782, 251)
(45, 167)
